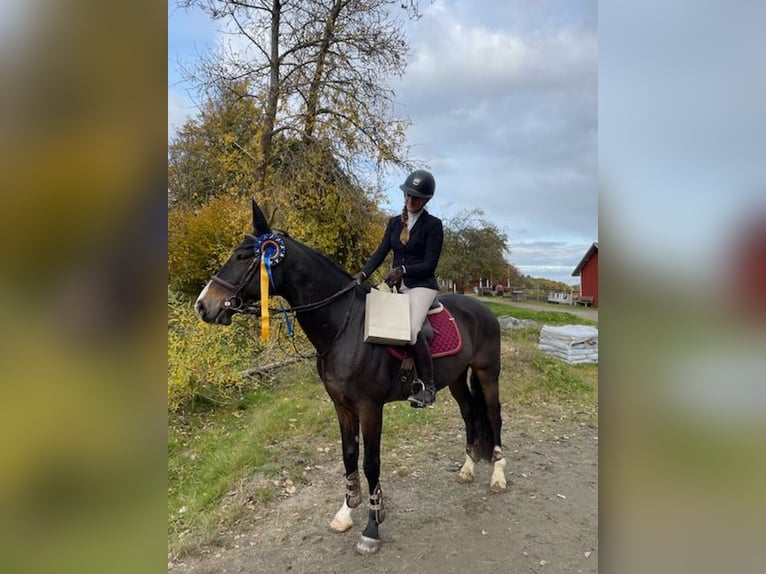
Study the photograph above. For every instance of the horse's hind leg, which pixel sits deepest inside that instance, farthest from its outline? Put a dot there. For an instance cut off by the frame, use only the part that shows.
(461, 394)
(349, 433)
(490, 388)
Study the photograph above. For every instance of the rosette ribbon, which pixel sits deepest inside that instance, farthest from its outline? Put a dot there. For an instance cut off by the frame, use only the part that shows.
(271, 250)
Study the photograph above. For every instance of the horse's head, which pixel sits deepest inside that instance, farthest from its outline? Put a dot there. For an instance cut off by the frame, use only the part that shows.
(236, 287)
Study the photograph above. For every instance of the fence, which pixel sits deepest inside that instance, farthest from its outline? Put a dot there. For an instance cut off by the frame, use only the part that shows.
(537, 295)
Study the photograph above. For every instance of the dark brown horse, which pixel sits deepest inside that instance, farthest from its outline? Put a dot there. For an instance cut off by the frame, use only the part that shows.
(359, 377)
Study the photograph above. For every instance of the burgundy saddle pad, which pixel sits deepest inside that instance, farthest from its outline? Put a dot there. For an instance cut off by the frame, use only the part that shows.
(446, 340)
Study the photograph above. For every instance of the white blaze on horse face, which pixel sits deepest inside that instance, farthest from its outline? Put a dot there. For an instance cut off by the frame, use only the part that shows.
(342, 520)
(202, 295)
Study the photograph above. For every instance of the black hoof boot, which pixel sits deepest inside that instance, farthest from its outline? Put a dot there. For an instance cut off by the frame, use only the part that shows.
(423, 394)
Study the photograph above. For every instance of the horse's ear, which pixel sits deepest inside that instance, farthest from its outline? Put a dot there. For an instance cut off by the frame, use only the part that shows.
(260, 225)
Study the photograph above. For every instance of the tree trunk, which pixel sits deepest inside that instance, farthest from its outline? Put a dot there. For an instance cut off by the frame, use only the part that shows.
(272, 103)
(312, 104)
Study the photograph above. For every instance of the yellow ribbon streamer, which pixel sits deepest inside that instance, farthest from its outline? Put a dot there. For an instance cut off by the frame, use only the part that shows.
(264, 301)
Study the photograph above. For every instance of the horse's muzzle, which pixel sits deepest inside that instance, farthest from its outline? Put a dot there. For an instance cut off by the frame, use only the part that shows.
(222, 316)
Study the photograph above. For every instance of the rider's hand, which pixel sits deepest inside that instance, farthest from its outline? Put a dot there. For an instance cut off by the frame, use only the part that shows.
(359, 277)
(394, 276)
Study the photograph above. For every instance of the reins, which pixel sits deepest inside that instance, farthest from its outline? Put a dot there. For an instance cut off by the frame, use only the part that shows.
(338, 333)
(255, 307)
(321, 303)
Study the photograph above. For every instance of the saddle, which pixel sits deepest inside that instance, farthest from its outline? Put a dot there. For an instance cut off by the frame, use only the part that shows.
(442, 330)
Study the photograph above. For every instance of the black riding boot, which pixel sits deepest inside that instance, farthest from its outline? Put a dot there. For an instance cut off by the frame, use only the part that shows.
(423, 388)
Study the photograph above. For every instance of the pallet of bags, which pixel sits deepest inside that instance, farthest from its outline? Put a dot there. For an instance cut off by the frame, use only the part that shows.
(573, 344)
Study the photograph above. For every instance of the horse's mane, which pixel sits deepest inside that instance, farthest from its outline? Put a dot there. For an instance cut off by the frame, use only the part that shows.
(316, 252)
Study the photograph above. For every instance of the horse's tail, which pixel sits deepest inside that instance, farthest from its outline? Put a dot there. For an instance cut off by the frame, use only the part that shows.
(483, 437)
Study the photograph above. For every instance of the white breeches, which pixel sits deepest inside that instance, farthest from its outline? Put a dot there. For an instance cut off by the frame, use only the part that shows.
(421, 299)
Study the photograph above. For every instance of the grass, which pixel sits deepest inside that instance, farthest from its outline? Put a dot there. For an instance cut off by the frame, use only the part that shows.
(559, 378)
(209, 452)
(268, 438)
(542, 317)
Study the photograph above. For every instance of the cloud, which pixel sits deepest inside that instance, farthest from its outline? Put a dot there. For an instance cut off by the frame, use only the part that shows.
(504, 109)
(550, 259)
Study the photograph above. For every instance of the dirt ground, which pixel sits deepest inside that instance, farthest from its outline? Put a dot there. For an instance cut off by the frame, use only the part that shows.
(547, 521)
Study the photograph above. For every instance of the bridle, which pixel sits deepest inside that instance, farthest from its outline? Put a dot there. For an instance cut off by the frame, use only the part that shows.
(271, 249)
(236, 302)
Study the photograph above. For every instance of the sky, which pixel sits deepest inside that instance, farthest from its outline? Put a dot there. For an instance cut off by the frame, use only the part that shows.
(682, 133)
(503, 100)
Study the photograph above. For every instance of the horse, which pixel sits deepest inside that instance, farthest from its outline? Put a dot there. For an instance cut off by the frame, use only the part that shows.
(361, 377)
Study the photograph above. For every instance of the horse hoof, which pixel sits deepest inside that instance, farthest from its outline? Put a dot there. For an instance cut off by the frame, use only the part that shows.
(498, 487)
(342, 520)
(367, 546)
(341, 525)
(465, 478)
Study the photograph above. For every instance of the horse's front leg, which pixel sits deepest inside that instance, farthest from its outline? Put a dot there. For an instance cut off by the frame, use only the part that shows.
(371, 417)
(349, 433)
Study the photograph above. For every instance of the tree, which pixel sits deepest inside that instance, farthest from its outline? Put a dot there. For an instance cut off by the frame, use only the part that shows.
(474, 248)
(324, 207)
(210, 183)
(319, 68)
(293, 113)
(212, 155)
(201, 240)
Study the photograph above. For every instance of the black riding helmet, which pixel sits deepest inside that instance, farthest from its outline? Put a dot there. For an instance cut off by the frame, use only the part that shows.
(420, 183)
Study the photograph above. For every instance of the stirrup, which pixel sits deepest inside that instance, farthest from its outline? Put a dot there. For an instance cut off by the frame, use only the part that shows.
(423, 397)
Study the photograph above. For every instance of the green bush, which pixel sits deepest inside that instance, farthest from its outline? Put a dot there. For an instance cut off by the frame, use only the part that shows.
(200, 241)
(205, 361)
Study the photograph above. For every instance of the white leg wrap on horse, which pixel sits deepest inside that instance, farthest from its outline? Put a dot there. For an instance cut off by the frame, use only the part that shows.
(342, 520)
(497, 483)
(467, 471)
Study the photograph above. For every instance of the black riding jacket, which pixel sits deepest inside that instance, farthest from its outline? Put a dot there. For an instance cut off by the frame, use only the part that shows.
(419, 257)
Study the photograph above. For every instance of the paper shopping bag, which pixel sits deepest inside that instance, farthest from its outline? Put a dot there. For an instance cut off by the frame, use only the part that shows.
(387, 318)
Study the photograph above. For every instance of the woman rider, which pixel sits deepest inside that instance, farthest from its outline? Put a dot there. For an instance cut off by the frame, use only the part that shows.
(416, 238)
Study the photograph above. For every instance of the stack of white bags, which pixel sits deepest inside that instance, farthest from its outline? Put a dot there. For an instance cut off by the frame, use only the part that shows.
(574, 344)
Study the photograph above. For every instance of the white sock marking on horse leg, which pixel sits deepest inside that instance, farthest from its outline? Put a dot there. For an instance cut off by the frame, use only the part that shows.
(342, 520)
(467, 471)
(497, 482)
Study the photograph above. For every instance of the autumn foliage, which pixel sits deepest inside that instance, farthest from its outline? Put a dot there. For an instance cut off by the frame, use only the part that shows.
(200, 241)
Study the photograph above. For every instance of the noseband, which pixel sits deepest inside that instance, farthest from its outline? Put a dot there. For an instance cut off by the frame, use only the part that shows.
(235, 302)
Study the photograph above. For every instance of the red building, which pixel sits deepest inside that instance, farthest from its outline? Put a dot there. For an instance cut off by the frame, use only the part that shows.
(587, 270)
(747, 270)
